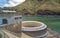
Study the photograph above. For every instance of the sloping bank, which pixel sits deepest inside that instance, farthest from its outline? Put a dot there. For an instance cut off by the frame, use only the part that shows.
(31, 7)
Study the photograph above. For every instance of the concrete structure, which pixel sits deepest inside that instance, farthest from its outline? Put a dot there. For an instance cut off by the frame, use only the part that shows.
(30, 29)
(11, 21)
(9, 17)
(34, 28)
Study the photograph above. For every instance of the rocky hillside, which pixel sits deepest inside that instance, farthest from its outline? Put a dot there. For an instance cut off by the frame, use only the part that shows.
(34, 6)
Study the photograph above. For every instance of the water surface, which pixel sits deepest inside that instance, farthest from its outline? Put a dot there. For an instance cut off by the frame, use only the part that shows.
(51, 22)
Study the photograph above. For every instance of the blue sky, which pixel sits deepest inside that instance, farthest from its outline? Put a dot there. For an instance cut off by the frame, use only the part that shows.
(2, 2)
(10, 3)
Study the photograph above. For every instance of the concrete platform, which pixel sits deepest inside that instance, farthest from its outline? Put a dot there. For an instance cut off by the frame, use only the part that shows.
(51, 34)
(24, 34)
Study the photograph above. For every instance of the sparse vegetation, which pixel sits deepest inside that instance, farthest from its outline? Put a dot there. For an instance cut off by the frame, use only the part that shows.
(32, 6)
(57, 1)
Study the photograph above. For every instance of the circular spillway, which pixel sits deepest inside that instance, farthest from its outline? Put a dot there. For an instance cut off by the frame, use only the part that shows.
(34, 28)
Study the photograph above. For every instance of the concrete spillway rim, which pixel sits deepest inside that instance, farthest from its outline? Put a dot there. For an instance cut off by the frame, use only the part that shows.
(41, 27)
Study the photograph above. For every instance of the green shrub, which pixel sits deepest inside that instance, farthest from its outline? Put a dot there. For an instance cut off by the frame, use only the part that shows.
(57, 1)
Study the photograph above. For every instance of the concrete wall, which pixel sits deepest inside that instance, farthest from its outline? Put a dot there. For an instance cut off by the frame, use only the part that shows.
(10, 20)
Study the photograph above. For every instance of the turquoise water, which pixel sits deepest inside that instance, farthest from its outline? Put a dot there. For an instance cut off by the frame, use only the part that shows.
(51, 22)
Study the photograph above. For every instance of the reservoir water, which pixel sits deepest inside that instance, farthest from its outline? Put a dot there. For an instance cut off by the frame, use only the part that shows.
(51, 22)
